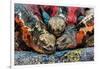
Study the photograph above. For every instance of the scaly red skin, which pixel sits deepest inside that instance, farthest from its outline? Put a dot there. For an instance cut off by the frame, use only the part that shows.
(28, 40)
(53, 9)
(79, 36)
(27, 37)
(34, 9)
(72, 15)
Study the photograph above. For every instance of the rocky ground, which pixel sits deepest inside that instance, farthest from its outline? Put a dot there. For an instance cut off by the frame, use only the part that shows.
(30, 57)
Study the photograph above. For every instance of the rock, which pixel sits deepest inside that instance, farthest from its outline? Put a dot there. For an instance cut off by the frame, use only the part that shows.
(47, 42)
(57, 25)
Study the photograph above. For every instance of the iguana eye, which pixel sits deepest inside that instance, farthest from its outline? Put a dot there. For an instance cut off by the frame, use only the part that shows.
(64, 40)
